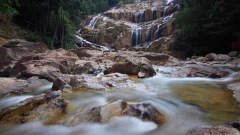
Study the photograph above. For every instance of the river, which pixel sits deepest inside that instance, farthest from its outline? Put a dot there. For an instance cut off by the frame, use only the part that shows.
(188, 103)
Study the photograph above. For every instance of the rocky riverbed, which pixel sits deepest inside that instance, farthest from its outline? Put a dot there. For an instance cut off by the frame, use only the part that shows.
(89, 86)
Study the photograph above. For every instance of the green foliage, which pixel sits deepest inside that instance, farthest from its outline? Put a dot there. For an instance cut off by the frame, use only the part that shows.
(7, 8)
(208, 25)
(33, 36)
(138, 66)
(53, 21)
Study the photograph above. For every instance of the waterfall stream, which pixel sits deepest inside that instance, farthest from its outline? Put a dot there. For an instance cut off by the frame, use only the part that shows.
(93, 22)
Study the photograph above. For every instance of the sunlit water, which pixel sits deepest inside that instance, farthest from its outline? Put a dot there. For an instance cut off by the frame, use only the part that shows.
(188, 103)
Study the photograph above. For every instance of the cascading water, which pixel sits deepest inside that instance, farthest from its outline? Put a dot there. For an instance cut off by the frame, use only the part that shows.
(165, 12)
(141, 17)
(148, 35)
(93, 21)
(136, 36)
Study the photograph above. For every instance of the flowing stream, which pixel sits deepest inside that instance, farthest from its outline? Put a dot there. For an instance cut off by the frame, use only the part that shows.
(188, 103)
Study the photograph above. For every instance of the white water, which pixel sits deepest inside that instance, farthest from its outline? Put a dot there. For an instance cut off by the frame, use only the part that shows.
(9, 101)
(93, 22)
(136, 36)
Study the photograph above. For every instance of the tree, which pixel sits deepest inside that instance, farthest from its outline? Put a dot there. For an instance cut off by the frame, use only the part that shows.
(7, 8)
(208, 25)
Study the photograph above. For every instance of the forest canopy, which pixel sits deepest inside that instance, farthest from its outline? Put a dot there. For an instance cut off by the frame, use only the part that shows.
(54, 21)
(207, 25)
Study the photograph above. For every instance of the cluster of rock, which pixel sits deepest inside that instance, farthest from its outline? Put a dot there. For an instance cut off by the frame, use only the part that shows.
(24, 66)
(29, 66)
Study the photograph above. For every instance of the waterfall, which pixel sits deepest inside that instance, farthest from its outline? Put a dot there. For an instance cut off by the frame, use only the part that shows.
(169, 1)
(159, 31)
(141, 17)
(93, 21)
(154, 14)
(164, 12)
(148, 35)
(136, 36)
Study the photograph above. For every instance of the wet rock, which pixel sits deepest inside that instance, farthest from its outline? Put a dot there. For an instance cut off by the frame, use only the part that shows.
(144, 111)
(236, 90)
(103, 114)
(12, 85)
(35, 81)
(37, 108)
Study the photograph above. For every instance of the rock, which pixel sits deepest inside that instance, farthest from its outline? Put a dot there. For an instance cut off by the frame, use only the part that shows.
(42, 64)
(103, 114)
(211, 56)
(223, 57)
(141, 74)
(24, 48)
(233, 54)
(131, 65)
(6, 54)
(12, 85)
(196, 70)
(44, 107)
(236, 90)
(35, 81)
(161, 59)
(144, 111)
(67, 88)
(219, 130)
(201, 59)
(230, 128)
(219, 57)
(58, 84)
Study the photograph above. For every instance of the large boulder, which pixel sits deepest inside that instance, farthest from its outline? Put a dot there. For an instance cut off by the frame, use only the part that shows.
(58, 61)
(105, 113)
(132, 66)
(19, 86)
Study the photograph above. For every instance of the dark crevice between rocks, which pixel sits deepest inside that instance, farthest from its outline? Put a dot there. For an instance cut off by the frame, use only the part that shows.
(236, 125)
(4, 74)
